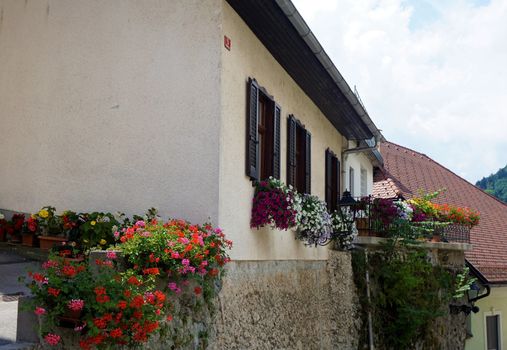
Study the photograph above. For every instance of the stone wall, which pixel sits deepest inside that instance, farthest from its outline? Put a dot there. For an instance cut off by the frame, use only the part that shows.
(288, 305)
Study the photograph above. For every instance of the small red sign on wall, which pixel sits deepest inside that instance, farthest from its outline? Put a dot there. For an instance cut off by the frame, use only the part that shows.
(227, 43)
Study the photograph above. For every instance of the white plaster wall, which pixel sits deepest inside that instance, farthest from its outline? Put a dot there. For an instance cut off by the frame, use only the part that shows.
(357, 161)
(249, 58)
(110, 105)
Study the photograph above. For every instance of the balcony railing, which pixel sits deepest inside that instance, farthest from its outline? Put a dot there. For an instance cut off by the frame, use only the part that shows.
(371, 224)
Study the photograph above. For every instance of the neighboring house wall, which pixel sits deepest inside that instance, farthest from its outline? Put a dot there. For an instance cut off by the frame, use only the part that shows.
(495, 303)
(110, 105)
(249, 58)
(358, 161)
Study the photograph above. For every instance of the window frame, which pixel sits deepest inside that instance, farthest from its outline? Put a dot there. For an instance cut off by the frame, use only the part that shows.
(262, 133)
(332, 180)
(298, 155)
(499, 328)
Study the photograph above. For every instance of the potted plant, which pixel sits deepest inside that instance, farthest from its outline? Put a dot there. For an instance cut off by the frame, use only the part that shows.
(274, 204)
(29, 238)
(50, 227)
(97, 229)
(313, 221)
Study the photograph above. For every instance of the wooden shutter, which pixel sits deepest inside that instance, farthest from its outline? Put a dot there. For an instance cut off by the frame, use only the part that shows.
(338, 177)
(308, 162)
(276, 142)
(252, 147)
(329, 179)
(291, 151)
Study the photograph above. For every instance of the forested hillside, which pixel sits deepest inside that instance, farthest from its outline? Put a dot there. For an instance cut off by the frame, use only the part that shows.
(495, 184)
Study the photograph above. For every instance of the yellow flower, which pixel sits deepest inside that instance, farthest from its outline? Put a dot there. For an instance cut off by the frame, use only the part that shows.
(33, 216)
(93, 223)
(43, 213)
(102, 242)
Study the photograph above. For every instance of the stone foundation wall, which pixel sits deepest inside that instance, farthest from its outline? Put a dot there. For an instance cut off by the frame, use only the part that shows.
(287, 305)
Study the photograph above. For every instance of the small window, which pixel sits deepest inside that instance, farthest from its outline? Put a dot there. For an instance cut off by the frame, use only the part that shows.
(351, 181)
(298, 156)
(263, 134)
(332, 180)
(493, 332)
(364, 182)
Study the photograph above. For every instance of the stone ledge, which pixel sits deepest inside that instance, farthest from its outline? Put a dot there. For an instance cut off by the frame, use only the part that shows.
(376, 241)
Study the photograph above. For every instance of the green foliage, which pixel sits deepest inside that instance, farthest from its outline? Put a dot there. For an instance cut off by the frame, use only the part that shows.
(463, 283)
(495, 184)
(409, 295)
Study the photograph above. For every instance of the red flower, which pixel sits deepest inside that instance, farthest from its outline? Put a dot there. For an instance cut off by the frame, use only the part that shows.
(160, 296)
(102, 298)
(116, 333)
(197, 290)
(134, 281)
(151, 271)
(38, 277)
(100, 323)
(100, 290)
(137, 302)
(69, 271)
(122, 304)
(53, 291)
(127, 293)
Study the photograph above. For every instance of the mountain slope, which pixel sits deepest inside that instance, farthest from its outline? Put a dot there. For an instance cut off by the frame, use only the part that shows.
(495, 184)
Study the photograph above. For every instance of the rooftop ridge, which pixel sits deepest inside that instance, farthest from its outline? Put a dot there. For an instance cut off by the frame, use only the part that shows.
(445, 168)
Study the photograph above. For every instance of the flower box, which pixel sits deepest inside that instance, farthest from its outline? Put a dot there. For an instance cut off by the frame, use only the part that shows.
(48, 242)
(29, 240)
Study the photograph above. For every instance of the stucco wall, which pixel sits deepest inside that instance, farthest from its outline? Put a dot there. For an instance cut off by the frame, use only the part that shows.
(110, 105)
(249, 58)
(357, 161)
(495, 303)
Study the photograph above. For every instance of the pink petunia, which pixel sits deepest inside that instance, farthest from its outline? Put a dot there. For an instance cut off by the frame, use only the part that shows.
(40, 310)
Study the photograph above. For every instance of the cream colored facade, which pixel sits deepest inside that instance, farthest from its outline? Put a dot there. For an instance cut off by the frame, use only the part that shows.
(125, 105)
(494, 304)
(110, 105)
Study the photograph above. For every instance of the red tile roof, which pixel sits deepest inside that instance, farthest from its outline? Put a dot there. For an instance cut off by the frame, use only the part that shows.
(406, 172)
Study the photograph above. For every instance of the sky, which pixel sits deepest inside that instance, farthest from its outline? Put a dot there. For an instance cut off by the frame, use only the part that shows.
(432, 74)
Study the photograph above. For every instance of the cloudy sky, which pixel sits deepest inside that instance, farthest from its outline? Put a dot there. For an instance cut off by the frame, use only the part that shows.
(431, 73)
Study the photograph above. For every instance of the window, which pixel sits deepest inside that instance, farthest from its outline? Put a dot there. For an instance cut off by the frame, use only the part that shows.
(493, 332)
(332, 180)
(298, 156)
(364, 182)
(351, 181)
(263, 134)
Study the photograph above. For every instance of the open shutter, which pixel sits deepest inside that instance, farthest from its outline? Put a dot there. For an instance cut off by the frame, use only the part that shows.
(329, 179)
(291, 151)
(338, 177)
(252, 147)
(276, 142)
(308, 162)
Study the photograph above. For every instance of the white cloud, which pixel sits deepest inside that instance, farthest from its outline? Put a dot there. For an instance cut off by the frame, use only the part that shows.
(440, 88)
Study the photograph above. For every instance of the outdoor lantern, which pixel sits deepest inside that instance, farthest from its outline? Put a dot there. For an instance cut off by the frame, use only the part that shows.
(347, 211)
(347, 207)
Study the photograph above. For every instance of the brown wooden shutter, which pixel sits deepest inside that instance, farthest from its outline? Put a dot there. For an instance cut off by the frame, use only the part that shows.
(338, 177)
(329, 179)
(276, 142)
(308, 162)
(252, 146)
(291, 151)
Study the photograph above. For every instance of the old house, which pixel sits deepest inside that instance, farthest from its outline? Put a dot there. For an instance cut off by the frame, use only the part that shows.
(183, 105)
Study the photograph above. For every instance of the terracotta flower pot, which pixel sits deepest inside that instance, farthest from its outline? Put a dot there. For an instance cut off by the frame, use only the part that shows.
(28, 239)
(70, 319)
(48, 242)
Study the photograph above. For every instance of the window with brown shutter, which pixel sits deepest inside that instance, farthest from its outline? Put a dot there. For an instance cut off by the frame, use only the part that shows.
(332, 180)
(298, 156)
(263, 134)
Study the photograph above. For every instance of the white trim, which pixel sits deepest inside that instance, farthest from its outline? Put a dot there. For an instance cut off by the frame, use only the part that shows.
(500, 335)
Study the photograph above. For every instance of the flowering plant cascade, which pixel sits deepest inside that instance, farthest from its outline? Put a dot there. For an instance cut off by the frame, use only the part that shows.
(113, 308)
(176, 249)
(314, 223)
(274, 204)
